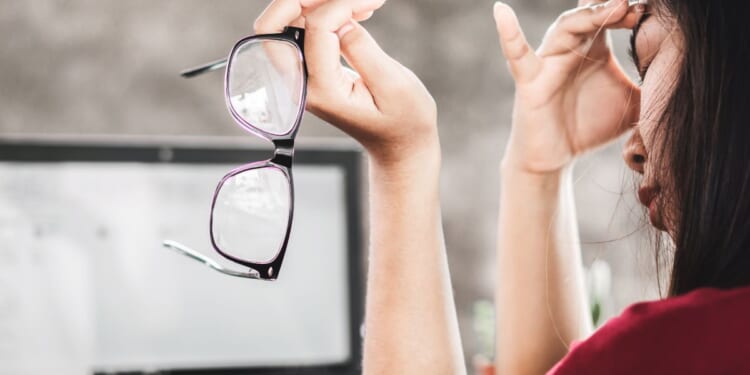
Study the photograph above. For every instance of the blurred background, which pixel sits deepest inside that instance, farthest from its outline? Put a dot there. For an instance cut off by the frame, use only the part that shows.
(85, 67)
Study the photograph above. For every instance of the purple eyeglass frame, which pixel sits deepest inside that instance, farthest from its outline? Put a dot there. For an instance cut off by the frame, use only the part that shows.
(282, 159)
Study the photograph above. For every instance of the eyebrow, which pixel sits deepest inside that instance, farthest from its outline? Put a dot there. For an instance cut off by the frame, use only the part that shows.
(633, 52)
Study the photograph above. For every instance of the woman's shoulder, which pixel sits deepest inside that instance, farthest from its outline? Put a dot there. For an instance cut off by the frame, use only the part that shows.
(692, 333)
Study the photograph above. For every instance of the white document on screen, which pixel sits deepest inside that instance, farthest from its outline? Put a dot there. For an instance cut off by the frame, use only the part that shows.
(46, 305)
(85, 285)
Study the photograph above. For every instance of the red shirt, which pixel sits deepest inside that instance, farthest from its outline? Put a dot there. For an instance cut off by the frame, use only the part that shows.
(706, 331)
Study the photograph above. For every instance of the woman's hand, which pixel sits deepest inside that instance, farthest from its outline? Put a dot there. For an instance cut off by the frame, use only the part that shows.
(383, 105)
(571, 94)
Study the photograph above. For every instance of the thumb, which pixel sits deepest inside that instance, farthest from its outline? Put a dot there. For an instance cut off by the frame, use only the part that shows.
(524, 64)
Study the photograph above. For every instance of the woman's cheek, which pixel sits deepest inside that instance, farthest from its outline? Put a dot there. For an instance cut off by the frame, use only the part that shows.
(651, 109)
(658, 87)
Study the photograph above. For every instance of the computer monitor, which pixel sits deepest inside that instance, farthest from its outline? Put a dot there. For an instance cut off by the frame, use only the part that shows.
(86, 287)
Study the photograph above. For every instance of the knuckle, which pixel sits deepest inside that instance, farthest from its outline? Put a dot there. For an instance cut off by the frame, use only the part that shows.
(314, 89)
(312, 104)
(518, 50)
(566, 16)
(513, 36)
(513, 70)
(573, 15)
(315, 22)
(353, 41)
(319, 94)
(587, 10)
(515, 46)
(354, 36)
(316, 101)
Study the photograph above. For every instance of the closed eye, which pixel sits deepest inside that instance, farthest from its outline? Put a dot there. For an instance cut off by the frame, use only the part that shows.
(634, 60)
(642, 70)
(633, 52)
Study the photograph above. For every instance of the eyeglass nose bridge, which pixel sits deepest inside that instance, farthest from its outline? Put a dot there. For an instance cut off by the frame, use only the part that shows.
(283, 153)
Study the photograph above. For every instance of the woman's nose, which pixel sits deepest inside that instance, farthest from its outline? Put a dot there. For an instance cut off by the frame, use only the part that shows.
(634, 152)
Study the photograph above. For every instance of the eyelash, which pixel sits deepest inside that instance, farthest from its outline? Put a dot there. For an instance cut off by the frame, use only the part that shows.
(643, 70)
(643, 74)
(631, 51)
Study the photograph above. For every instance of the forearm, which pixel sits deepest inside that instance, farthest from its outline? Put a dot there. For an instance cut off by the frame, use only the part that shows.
(540, 293)
(410, 321)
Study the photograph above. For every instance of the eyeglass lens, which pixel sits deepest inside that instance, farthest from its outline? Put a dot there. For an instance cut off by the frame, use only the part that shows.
(265, 83)
(251, 214)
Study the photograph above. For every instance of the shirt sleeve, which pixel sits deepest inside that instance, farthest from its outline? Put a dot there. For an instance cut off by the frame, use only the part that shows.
(612, 349)
(686, 335)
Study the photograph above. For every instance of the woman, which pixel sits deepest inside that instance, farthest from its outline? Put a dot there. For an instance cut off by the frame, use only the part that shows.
(690, 144)
(688, 141)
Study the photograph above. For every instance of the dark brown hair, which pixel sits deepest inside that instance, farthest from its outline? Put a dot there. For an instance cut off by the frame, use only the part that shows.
(705, 135)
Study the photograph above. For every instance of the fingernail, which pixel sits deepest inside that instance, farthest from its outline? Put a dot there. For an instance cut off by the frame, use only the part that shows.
(345, 29)
(497, 6)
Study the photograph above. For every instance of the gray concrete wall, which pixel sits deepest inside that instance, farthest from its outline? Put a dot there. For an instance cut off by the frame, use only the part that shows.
(109, 67)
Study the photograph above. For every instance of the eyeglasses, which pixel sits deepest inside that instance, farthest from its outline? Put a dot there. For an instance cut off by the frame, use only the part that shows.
(265, 88)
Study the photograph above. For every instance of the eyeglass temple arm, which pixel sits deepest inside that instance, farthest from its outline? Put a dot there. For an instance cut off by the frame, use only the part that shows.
(190, 253)
(205, 68)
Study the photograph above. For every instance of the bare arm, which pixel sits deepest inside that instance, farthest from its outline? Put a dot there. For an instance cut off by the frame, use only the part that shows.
(540, 295)
(411, 323)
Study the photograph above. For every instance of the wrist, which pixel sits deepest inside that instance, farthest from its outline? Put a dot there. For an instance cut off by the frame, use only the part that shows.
(404, 160)
(550, 180)
(407, 183)
(539, 160)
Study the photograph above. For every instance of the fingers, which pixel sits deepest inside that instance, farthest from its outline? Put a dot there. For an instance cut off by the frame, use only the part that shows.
(323, 47)
(362, 11)
(583, 3)
(631, 18)
(590, 19)
(281, 13)
(524, 64)
(277, 15)
(364, 54)
(363, 16)
(586, 27)
(360, 16)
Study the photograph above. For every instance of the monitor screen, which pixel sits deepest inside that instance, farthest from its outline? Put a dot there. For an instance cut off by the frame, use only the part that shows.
(85, 285)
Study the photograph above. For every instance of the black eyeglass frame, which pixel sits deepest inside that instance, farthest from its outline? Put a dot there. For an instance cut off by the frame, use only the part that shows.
(282, 159)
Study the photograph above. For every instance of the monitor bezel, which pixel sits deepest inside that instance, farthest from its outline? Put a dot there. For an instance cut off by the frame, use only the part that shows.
(217, 151)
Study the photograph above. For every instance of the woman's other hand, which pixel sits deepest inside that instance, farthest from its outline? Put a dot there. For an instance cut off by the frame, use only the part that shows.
(382, 104)
(571, 93)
